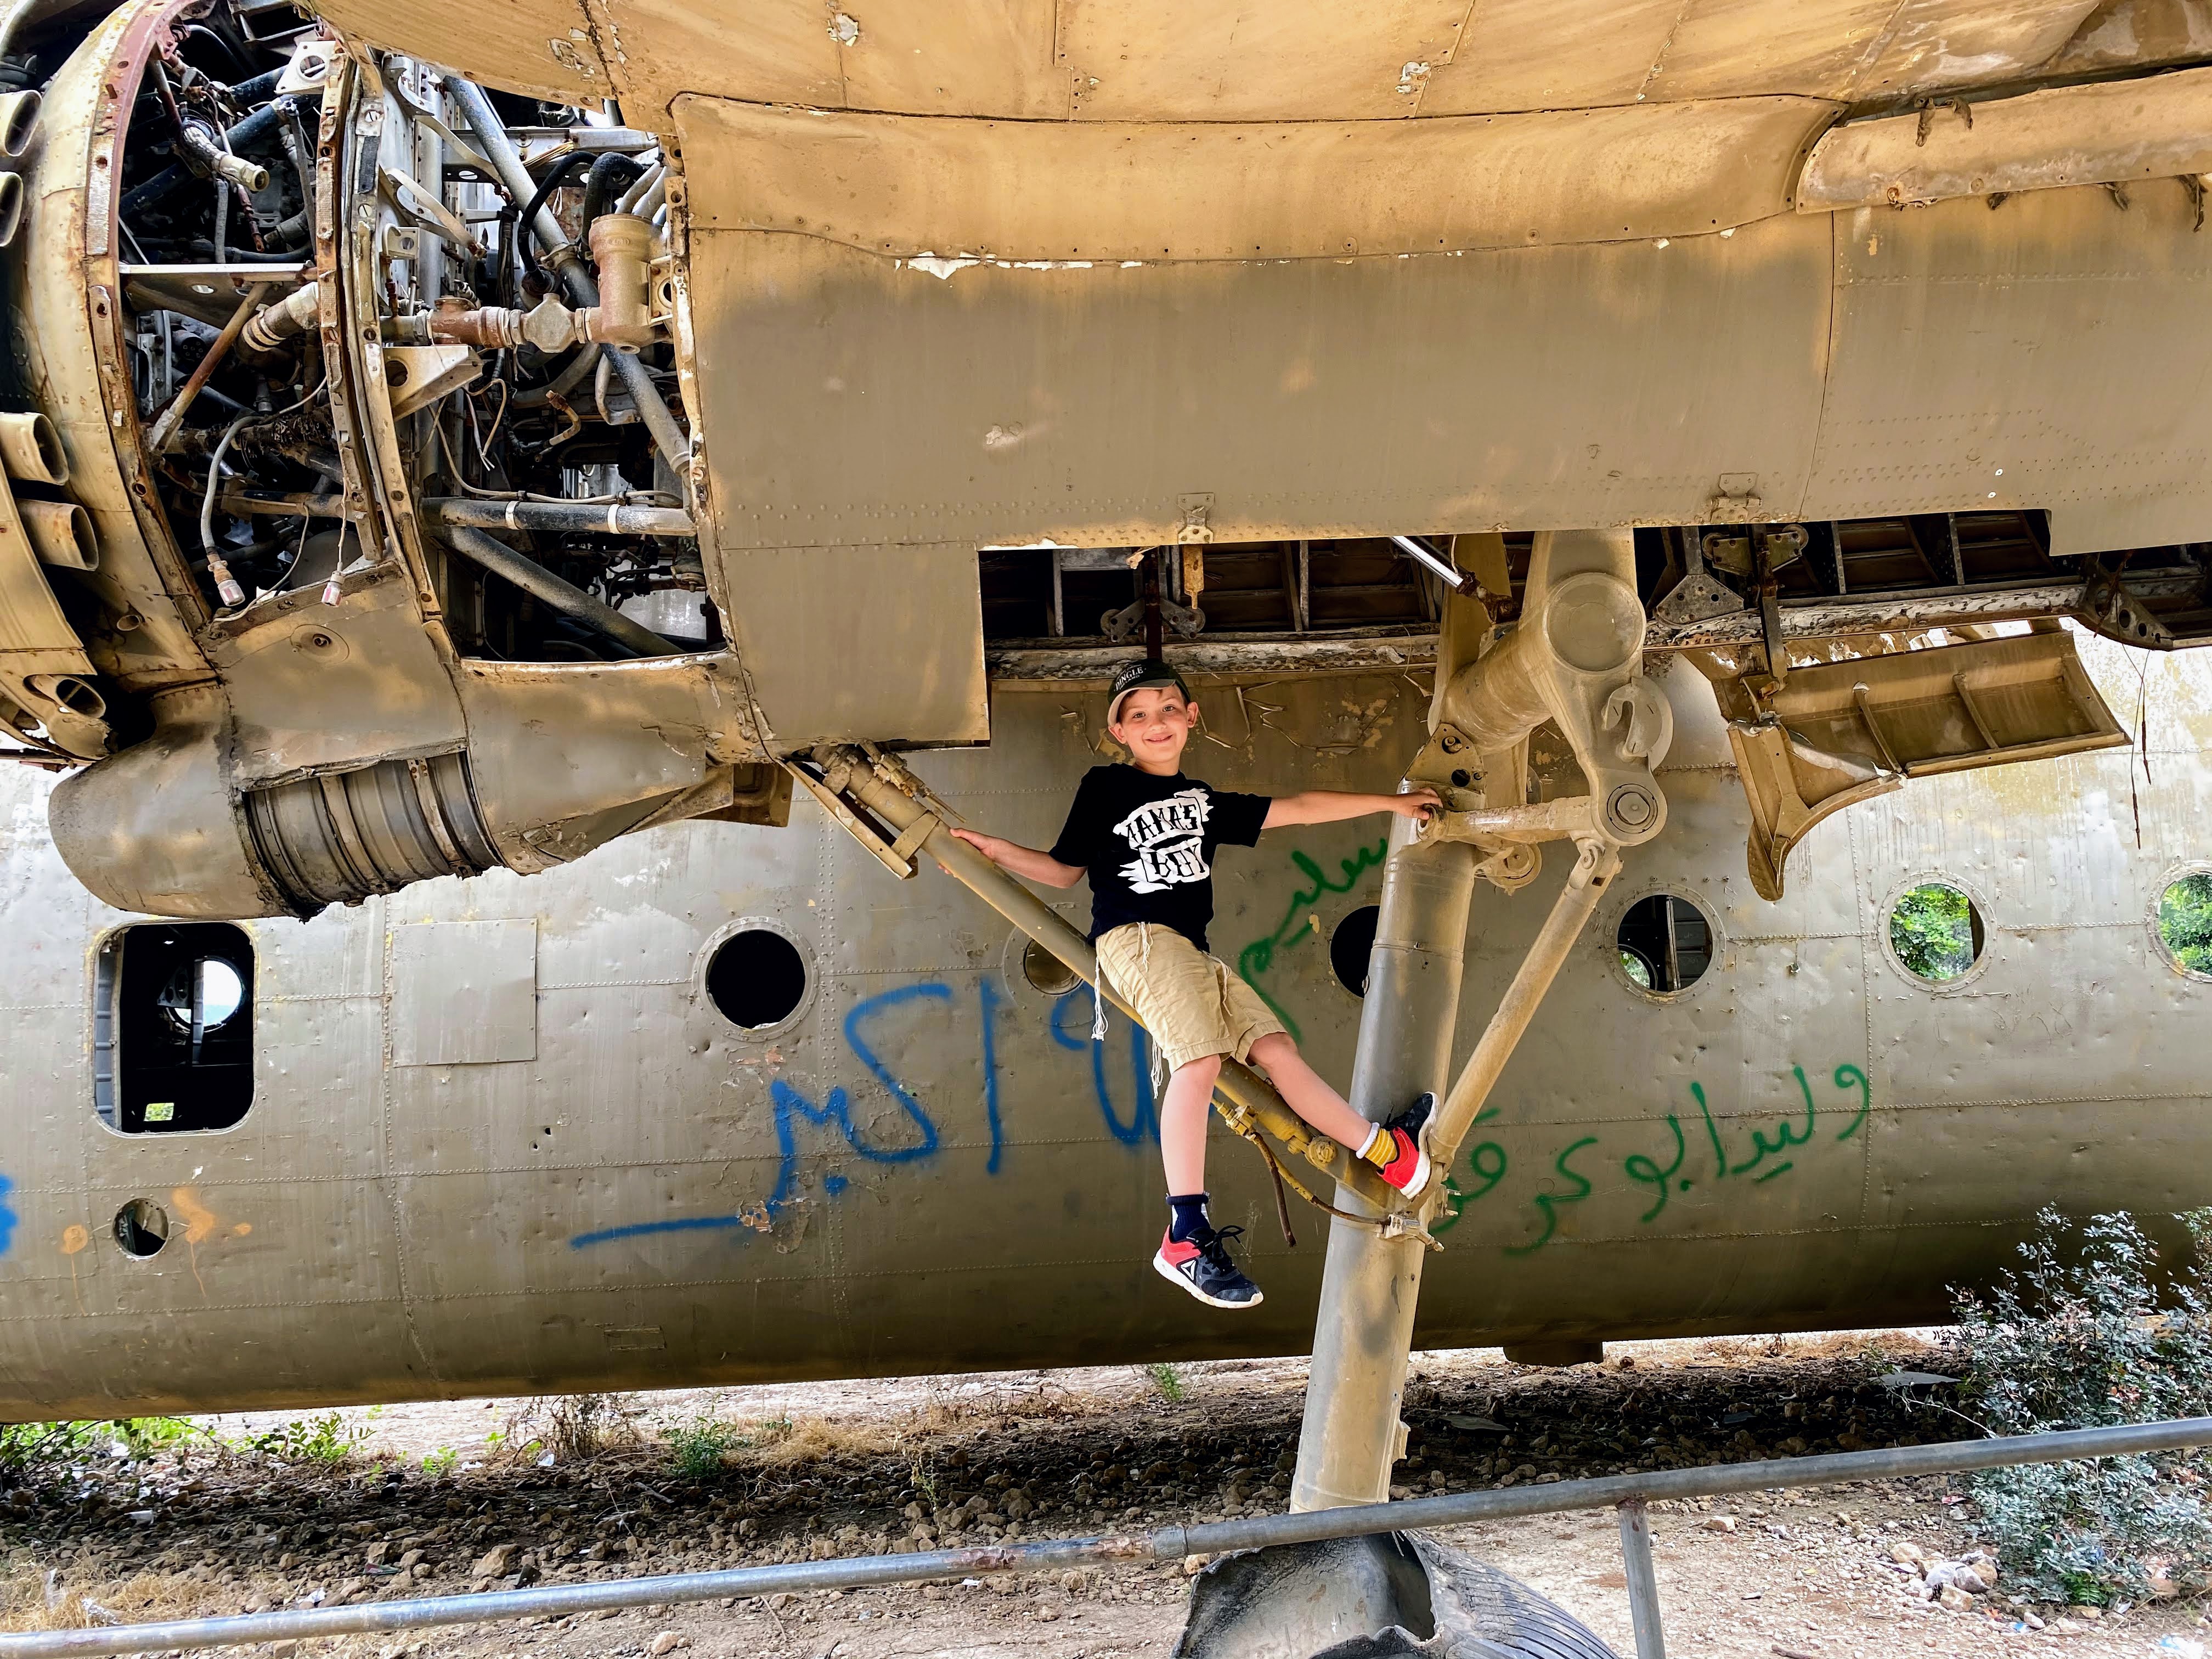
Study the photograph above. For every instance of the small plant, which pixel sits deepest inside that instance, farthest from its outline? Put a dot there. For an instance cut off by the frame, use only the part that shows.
(444, 1461)
(326, 1440)
(2078, 1339)
(1166, 1380)
(697, 1447)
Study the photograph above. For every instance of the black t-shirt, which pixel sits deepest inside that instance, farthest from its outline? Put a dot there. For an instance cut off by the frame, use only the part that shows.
(1148, 844)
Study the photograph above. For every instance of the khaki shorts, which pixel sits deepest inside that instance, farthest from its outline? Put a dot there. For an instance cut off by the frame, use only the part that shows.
(1194, 1005)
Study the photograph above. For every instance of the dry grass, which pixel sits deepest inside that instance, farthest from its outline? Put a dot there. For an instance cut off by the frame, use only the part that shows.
(33, 1601)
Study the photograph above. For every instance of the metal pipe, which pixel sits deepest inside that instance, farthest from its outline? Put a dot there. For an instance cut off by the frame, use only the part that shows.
(1239, 1083)
(1586, 881)
(475, 109)
(1161, 1544)
(613, 520)
(1371, 1285)
(1643, 1579)
(165, 425)
(1460, 581)
(541, 584)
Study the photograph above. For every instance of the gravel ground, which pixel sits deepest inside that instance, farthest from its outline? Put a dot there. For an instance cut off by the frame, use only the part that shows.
(438, 1499)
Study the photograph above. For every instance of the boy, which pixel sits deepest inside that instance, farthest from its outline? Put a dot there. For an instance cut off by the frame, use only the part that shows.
(1145, 835)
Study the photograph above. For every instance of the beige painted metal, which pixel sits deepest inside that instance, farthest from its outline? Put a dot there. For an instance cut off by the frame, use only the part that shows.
(459, 1229)
(1833, 734)
(908, 186)
(1111, 61)
(2156, 127)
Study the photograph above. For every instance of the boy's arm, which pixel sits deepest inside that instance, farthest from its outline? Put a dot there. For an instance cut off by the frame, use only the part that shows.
(1024, 861)
(1331, 805)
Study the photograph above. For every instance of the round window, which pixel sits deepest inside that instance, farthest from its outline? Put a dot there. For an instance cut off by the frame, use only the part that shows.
(757, 978)
(1351, 946)
(2185, 923)
(1047, 972)
(1666, 943)
(142, 1227)
(202, 996)
(1935, 930)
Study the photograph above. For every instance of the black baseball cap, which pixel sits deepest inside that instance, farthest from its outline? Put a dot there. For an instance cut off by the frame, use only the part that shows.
(1151, 674)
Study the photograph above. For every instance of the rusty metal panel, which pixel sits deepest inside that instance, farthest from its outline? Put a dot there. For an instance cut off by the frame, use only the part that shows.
(1337, 397)
(1056, 192)
(903, 625)
(2157, 127)
(463, 992)
(1949, 43)
(1931, 407)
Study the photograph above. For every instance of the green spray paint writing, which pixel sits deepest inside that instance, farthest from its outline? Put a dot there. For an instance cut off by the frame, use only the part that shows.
(1299, 920)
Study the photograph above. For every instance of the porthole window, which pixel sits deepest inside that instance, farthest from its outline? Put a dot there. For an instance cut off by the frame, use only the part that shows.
(174, 1024)
(1351, 946)
(757, 978)
(1666, 943)
(2184, 923)
(1047, 972)
(1935, 932)
(142, 1227)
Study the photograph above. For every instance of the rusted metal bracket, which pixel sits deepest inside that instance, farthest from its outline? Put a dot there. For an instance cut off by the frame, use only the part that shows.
(2107, 607)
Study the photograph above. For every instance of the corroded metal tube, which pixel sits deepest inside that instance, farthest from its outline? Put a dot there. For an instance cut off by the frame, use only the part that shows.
(542, 584)
(31, 450)
(614, 519)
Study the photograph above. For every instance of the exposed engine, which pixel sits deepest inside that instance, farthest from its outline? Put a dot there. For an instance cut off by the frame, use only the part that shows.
(386, 406)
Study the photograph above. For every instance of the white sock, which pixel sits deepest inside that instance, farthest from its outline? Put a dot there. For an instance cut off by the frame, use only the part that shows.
(1374, 1134)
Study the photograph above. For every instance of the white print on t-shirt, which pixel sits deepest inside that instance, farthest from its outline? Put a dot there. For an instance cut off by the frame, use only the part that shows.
(1169, 837)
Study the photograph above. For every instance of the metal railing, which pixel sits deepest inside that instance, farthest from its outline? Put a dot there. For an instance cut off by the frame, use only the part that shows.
(1628, 1493)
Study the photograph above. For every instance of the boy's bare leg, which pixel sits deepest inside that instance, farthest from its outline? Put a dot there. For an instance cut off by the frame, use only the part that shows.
(1304, 1091)
(1184, 1111)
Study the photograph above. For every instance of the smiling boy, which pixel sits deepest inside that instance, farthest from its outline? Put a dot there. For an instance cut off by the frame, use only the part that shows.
(1145, 837)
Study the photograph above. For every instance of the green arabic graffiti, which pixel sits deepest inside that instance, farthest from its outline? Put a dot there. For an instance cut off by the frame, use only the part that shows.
(1297, 923)
(1488, 1161)
(1549, 1202)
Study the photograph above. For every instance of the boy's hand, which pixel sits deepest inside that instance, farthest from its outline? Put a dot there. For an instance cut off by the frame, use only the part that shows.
(1420, 804)
(991, 847)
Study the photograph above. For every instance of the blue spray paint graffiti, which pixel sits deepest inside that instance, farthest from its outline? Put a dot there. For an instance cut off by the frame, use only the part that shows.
(834, 1109)
(1144, 1121)
(7, 1215)
(989, 995)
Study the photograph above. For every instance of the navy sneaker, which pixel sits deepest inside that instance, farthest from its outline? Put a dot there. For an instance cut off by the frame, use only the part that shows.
(1202, 1266)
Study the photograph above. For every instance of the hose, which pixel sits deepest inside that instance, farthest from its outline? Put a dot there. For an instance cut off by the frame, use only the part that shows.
(611, 175)
(554, 180)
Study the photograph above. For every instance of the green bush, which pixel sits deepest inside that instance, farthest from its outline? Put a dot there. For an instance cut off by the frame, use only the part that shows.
(697, 1447)
(2184, 920)
(1168, 1381)
(1933, 929)
(2078, 1338)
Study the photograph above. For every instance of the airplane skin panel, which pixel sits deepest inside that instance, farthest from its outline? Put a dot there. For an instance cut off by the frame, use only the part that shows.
(901, 627)
(463, 992)
(1150, 60)
(1560, 386)
(539, 48)
(2020, 355)
(1250, 190)
(931, 1166)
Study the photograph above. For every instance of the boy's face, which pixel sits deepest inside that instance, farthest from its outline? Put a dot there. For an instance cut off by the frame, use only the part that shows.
(1155, 724)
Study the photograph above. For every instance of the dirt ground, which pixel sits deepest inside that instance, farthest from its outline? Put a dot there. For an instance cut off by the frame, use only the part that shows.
(438, 1499)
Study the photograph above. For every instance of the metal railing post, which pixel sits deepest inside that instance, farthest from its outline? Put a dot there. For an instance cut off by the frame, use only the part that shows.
(1643, 1579)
